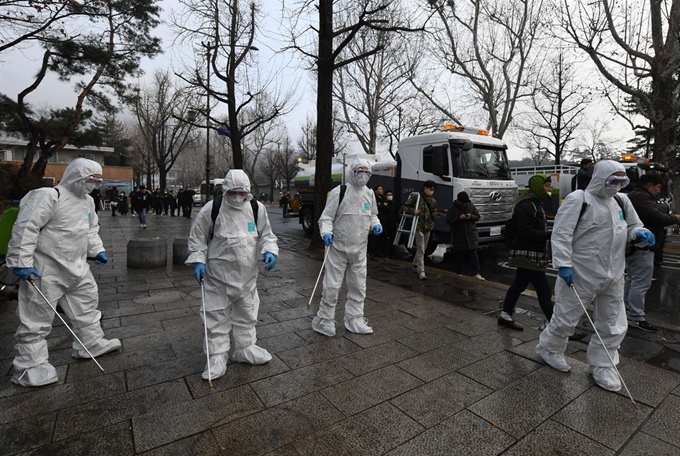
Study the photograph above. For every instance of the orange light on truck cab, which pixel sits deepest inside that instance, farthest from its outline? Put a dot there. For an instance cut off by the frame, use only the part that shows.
(628, 157)
(453, 127)
(483, 132)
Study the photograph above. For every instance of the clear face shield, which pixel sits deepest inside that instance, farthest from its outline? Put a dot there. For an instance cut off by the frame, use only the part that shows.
(237, 196)
(92, 182)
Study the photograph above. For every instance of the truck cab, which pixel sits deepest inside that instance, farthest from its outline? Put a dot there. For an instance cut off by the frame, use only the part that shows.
(456, 159)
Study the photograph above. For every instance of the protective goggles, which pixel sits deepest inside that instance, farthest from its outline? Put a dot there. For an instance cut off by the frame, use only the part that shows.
(617, 181)
(96, 181)
(363, 171)
(238, 192)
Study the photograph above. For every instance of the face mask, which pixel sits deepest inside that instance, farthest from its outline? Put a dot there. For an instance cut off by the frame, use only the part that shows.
(389, 198)
(89, 187)
(612, 190)
(235, 200)
(362, 179)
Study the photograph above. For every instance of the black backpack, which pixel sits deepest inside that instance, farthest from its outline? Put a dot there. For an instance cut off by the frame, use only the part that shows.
(217, 203)
(511, 225)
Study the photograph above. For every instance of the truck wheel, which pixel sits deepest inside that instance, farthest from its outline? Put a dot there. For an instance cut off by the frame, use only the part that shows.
(307, 218)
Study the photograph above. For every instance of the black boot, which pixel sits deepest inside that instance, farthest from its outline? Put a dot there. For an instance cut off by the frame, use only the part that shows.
(512, 324)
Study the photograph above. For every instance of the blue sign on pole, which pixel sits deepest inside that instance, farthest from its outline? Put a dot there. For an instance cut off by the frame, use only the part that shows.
(223, 131)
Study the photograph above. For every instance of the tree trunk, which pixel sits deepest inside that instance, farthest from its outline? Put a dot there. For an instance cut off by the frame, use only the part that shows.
(162, 177)
(324, 112)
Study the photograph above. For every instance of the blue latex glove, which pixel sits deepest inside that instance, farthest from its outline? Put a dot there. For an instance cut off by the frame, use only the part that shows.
(567, 274)
(328, 240)
(377, 230)
(25, 273)
(647, 237)
(270, 260)
(101, 258)
(199, 271)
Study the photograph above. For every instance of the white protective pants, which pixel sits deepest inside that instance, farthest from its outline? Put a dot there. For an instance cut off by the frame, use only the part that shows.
(79, 303)
(336, 264)
(230, 309)
(609, 318)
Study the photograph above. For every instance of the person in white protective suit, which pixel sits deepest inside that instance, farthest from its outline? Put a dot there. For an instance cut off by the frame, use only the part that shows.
(56, 231)
(227, 264)
(344, 227)
(589, 246)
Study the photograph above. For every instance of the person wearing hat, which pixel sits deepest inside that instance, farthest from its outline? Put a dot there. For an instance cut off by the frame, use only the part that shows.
(462, 216)
(585, 173)
(528, 251)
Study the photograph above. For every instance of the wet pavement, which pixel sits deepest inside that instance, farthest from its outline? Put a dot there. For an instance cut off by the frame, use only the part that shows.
(438, 376)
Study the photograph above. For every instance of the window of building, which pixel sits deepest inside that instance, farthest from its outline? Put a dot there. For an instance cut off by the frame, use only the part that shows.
(88, 156)
(53, 158)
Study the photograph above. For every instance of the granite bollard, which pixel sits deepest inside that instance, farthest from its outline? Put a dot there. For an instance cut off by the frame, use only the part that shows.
(180, 250)
(147, 253)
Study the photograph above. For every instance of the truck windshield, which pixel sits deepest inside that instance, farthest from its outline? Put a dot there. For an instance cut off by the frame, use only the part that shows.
(483, 163)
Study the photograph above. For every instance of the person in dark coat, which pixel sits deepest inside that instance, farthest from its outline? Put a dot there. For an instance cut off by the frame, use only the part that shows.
(640, 262)
(173, 203)
(122, 203)
(387, 219)
(463, 217)
(132, 199)
(97, 197)
(188, 202)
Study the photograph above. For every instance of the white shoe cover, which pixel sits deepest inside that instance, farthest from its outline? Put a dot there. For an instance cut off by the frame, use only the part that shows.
(605, 377)
(358, 326)
(217, 366)
(251, 355)
(554, 360)
(102, 347)
(324, 326)
(40, 375)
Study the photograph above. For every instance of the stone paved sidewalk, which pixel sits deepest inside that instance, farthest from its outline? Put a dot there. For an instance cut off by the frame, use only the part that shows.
(438, 376)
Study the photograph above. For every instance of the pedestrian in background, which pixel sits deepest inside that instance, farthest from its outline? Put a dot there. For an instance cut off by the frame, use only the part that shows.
(428, 214)
(640, 262)
(142, 204)
(122, 204)
(387, 219)
(132, 199)
(462, 217)
(584, 174)
(157, 201)
(173, 203)
(188, 202)
(285, 201)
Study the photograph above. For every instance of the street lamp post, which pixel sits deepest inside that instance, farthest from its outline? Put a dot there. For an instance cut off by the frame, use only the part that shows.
(207, 124)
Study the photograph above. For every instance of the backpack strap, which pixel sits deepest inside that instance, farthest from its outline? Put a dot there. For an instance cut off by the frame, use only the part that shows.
(620, 201)
(584, 206)
(215, 211)
(343, 190)
(58, 193)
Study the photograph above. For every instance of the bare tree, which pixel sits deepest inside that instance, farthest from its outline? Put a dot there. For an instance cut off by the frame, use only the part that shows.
(557, 110)
(326, 60)
(286, 162)
(487, 43)
(158, 110)
(594, 143)
(226, 30)
(635, 46)
(306, 143)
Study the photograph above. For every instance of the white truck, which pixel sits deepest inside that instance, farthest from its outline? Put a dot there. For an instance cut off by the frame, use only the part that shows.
(456, 159)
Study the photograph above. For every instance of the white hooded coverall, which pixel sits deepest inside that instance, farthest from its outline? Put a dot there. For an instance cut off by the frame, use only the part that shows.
(231, 261)
(55, 233)
(594, 248)
(350, 223)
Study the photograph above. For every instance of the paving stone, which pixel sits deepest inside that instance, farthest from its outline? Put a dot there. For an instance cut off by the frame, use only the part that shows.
(262, 319)
(521, 406)
(176, 421)
(237, 374)
(554, 438)
(25, 434)
(430, 340)
(370, 359)
(436, 363)
(299, 382)
(476, 326)
(664, 423)
(292, 314)
(607, 418)
(372, 432)
(288, 450)
(143, 328)
(277, 329)
(123, 296)
(175, 323)
(281, 343)
(119, 361)
(122, 311)
(203, 444)
(188, 346)
(110, 323)
(99, 414)
(499, 370)
(463, 433)
(159, 297)
(645, 445)
(155, 316)
(638, 348)
(56, 397)
(331, 348)
(566, 385)
(433, 402)
(143, 341)
(280, 294)
(180, 304)
(381, 334)
(274, 307)
(162, 372)
(648, 384)
(528, 350)
(487, 344)
(275, 427)
(112, 440)
(360, 393)
(427, 321)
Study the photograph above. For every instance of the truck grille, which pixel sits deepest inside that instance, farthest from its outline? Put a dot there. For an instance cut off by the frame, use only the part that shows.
(494, 204)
